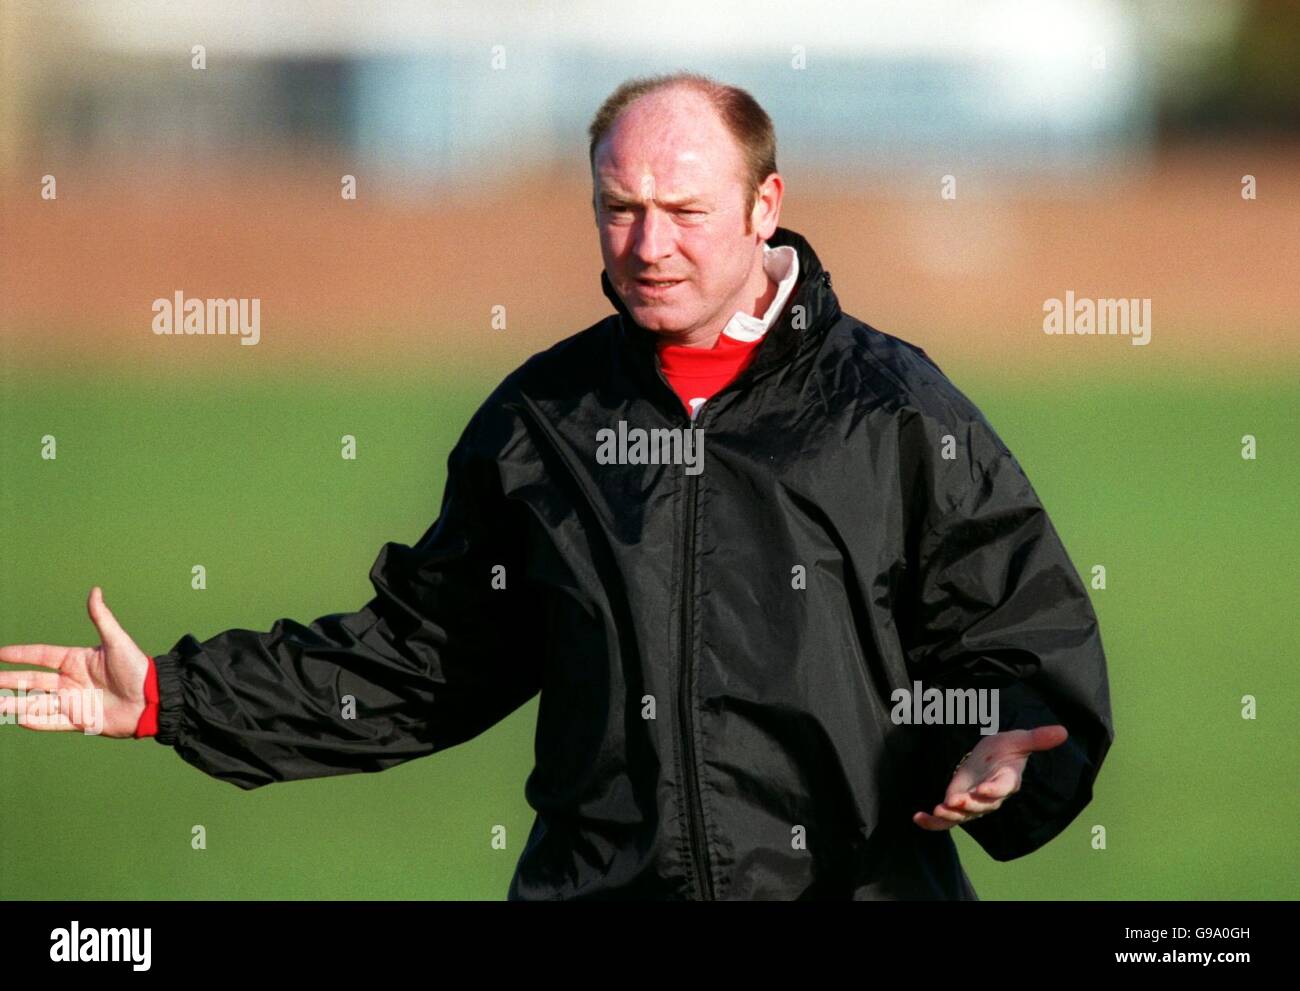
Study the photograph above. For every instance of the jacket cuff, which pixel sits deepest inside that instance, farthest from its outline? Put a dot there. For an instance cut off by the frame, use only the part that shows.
(170, 701)
(1055, 787)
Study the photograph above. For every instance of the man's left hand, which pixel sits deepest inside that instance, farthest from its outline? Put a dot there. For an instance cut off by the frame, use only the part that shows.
(989, 775)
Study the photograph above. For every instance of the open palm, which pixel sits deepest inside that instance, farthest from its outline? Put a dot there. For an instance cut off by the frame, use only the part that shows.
(79, 680)
(989, 775)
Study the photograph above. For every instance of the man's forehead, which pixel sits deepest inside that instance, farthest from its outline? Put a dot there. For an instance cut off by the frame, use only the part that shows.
(674, 152)
(687, 174)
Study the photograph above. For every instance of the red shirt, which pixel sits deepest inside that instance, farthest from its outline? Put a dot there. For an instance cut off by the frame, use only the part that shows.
(697, 373)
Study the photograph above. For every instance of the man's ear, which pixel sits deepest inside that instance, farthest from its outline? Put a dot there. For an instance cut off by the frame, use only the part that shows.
(767, 206)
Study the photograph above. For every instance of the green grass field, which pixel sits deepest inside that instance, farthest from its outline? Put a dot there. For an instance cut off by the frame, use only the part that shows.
(161, 468)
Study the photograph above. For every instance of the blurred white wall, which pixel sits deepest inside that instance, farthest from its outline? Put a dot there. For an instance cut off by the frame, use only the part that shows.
(492, 87)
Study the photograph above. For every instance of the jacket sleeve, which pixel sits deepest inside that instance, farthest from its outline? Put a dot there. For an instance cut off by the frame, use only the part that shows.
(433, 659)
(995, 602)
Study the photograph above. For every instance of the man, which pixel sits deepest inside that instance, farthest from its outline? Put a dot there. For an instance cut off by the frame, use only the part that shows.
(726, 532)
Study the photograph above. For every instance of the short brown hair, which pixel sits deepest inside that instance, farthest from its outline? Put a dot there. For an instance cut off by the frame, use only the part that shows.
(748, 122)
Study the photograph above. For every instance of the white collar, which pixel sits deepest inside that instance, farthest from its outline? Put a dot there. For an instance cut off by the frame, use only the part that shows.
(782, 264)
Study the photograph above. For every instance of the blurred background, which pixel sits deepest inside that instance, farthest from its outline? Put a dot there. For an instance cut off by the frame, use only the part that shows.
(1138, 150)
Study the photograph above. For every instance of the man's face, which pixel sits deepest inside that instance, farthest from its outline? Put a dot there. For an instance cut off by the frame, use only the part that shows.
(670, 207)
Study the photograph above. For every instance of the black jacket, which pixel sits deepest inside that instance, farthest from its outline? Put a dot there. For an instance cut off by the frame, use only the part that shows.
(716, 652)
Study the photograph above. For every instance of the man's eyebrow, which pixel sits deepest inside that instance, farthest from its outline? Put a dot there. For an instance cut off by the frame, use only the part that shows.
(686, 200)
(616, 196)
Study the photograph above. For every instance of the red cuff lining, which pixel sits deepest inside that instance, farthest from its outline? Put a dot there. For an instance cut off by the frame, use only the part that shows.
(148, 724)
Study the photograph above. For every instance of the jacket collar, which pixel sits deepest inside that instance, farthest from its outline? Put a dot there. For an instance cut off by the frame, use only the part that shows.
(793, 330)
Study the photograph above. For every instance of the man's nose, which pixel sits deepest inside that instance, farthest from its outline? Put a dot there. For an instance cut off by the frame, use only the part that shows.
(654, 238)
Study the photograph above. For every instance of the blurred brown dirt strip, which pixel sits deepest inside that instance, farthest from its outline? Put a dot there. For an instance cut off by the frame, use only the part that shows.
(387, 279)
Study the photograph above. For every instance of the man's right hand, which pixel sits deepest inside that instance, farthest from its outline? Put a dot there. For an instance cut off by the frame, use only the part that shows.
(110, 675)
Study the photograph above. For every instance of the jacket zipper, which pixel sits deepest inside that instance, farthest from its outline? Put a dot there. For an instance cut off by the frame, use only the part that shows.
(694, 804)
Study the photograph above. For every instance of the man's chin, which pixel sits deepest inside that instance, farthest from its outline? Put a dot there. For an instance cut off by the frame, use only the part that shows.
(660, 321)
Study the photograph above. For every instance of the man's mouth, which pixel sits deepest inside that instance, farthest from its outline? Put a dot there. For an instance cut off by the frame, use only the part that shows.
(657, 285)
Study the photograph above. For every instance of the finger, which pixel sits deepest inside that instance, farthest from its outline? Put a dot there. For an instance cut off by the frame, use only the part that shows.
(950, 814)
(47, 724)
(30, 702)
(967, 803)
(929, 822)
(1042, 738)
(44, 654)
(45, 681)
(110, 630)
(40, 711)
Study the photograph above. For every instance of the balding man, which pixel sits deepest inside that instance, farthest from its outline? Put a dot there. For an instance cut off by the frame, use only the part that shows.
(793, 609)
